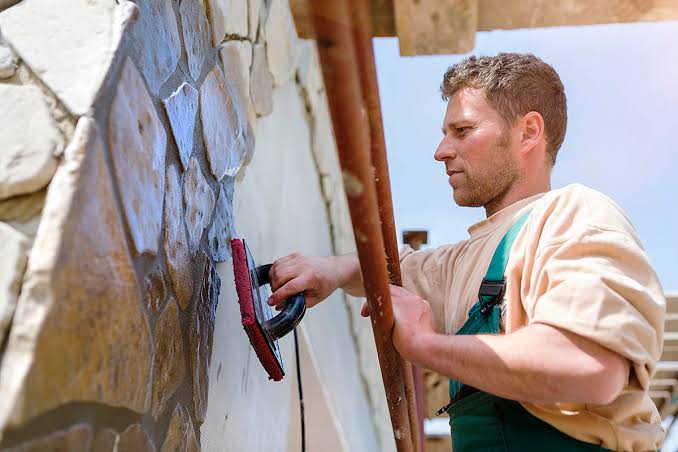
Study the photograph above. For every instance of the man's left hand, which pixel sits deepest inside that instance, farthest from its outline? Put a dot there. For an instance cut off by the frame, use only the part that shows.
(413, 320)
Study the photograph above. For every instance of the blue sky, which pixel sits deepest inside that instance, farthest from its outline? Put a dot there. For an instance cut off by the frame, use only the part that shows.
(622, 87)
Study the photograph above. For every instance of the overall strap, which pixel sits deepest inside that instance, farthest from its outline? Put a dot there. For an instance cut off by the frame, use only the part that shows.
(484, 316)
(493, 286)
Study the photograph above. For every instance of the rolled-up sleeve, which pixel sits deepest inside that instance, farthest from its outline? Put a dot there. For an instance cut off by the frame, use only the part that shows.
(599, 284)
(425, 273)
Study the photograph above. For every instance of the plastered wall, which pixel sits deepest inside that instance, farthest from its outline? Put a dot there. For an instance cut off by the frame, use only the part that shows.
(137, 139)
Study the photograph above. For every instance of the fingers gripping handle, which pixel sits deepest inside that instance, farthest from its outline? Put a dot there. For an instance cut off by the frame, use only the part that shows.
(289, 317)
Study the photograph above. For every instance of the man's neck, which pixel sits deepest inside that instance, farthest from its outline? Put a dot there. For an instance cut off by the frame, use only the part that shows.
(515, 194)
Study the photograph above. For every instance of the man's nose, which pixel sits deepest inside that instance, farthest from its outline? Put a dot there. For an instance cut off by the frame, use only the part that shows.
(445, 151)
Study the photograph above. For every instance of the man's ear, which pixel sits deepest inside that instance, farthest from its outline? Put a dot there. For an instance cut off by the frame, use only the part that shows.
(532, 131)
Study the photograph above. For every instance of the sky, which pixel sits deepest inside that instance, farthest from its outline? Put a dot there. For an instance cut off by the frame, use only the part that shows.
(621, 83)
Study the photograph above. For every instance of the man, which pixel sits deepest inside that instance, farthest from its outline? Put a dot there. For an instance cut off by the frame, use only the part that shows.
(548, 319)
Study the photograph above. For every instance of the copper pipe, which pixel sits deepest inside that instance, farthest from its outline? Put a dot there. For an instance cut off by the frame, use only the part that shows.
(370, 88)
(336, 48)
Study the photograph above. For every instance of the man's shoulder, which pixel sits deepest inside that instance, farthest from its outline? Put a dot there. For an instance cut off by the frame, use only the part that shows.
(579, 193)
(576, 206)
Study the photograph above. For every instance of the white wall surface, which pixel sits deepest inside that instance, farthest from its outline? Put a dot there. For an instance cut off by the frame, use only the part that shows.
(279, 209)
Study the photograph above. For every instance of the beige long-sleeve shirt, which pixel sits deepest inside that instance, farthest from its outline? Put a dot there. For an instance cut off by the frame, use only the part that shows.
(578, 265)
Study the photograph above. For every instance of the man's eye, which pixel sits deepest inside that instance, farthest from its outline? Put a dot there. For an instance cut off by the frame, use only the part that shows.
(461, 130)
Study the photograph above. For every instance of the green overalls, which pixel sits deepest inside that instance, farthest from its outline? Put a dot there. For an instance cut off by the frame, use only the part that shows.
(484, 422)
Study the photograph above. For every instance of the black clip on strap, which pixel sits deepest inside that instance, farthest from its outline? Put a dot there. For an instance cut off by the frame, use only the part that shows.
(491, 293)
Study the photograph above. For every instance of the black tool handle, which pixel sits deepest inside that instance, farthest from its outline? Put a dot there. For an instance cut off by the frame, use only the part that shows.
(289, 317)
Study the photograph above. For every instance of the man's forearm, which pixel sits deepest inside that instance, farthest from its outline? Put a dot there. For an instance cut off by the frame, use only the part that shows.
(538, 364)
(349, 275)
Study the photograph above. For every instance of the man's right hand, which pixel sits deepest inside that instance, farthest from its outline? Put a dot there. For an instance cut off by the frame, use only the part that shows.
(316, 277)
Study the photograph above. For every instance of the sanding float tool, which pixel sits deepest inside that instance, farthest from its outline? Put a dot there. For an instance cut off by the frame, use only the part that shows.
(262, 328)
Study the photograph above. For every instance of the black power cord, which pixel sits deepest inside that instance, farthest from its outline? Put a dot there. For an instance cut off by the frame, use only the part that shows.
(301, 393)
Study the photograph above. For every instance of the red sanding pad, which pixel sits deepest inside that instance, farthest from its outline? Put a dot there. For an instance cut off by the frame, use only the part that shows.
(262, 345)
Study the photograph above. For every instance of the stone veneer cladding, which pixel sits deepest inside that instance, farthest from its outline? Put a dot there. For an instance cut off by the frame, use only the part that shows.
(109, 302)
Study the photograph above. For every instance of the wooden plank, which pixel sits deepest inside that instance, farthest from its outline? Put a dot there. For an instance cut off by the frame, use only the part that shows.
(511, 14)
(383, 18)
(671, 322)
(669, 353)
(657, 384)
(431, 27)
(502, 14)
(672, 301)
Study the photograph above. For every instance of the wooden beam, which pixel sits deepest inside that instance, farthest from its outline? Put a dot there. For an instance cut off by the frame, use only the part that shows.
(383, 18)
(663, 382)
(506, 15)
(671, 322)
(430, 27)
(498, 14)
(672, 302)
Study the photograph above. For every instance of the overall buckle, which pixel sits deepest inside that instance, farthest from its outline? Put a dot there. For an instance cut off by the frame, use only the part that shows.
(491, 293)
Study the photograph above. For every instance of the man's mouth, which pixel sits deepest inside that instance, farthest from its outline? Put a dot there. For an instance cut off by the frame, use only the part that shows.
(451, 172)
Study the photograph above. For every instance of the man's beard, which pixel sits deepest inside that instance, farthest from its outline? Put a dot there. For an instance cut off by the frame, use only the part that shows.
(489, 185)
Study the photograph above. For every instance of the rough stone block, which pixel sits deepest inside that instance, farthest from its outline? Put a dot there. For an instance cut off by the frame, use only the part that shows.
(106, 440)
(198, 201)
(135, 439)
(169, 363)
(75, 439)
(323, 144)
(228, 17)
(177, 251)
(261, 81)
(181, 108)
(27, 161)
(79, 332)
(223, 226)
(155, 290)
(69, 47)
(180, 434)
(138, 142)
(14, 251)
(8, 60)
(196, 34)
(224, 125)
(236, 59)
(201, 332)
(23, 207)
(309, 73)
(281, 42)
(156, 41)
(255, 7)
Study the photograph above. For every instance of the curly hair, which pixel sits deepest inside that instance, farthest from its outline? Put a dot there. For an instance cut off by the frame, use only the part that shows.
(515, 84)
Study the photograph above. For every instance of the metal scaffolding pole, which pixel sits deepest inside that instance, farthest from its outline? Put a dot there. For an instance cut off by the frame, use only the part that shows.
(334, 32)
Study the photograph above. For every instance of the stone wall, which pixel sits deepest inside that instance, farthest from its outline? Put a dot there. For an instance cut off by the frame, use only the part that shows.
(137, 139)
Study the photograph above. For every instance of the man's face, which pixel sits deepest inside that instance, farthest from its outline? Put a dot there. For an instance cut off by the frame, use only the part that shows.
(476, 150)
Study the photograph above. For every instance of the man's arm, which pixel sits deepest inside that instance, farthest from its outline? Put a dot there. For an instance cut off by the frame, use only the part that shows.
(538, 363)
